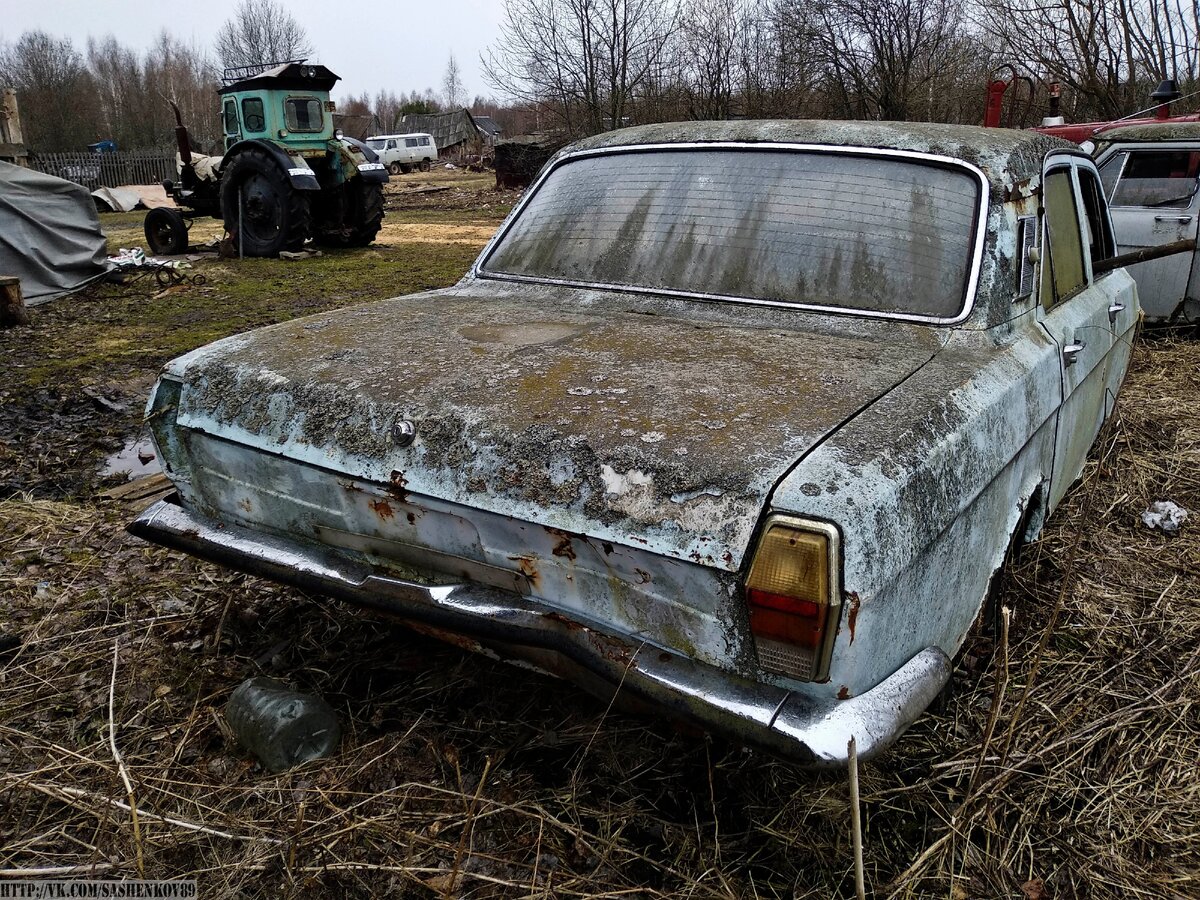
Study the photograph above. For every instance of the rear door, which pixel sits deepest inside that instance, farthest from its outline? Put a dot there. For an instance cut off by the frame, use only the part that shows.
(1075, 313)
(1152, 190)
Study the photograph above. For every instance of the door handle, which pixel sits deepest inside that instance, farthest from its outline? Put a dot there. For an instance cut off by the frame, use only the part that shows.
(1182, 220)
(1071, 353)
(1113, 311)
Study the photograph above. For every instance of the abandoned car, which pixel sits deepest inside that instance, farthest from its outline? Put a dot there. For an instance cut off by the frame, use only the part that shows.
(737, 419)
(1151, 176)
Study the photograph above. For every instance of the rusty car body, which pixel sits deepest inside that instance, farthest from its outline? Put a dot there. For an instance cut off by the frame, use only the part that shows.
(738, 419)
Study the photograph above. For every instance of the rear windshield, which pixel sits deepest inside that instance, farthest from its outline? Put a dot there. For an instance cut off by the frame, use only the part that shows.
(829, 229)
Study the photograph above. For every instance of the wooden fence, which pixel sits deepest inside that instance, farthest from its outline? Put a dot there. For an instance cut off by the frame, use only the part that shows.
(94, 170)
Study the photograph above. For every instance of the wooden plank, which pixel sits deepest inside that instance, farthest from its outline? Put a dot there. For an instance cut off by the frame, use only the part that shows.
(140, 488)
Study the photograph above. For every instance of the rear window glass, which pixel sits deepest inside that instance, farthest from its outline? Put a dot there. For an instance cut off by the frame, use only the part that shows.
(818, 229)
(1165, 178)
(303, 114)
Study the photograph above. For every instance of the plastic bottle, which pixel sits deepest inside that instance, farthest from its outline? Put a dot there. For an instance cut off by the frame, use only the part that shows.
(281, 726)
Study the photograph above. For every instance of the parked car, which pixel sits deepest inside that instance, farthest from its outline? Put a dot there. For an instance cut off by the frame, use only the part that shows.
(404, 152)
(739, 419)
(1151, 176)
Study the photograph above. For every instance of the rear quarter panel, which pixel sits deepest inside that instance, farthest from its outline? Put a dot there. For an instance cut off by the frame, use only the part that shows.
(927, 486)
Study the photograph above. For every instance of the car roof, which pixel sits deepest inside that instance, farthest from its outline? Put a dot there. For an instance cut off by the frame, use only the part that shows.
(1005, 155)
(1155, 131)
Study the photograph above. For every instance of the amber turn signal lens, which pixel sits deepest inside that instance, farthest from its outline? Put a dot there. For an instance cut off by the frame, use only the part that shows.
(788, 597)
(791, 566)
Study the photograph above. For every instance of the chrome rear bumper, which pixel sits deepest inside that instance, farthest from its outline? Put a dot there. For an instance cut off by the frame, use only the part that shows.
(811, 732)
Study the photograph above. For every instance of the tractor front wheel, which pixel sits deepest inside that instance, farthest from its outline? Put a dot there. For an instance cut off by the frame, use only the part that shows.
(353, 216)
(261, 208)
(166, 231)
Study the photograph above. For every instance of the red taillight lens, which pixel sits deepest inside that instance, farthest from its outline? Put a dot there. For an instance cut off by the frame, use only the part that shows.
(790, 599)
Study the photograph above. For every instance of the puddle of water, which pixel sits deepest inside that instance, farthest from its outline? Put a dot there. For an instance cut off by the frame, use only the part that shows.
(136, 459)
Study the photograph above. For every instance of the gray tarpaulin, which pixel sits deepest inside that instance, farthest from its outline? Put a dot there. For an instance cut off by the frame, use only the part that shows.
(49, 233)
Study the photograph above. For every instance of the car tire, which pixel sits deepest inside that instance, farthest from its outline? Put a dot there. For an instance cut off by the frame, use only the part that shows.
(166, 231)
(395, 168)
(425, 165)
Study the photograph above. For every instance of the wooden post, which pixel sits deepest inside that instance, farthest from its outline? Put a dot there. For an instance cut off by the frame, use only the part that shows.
(12, 303)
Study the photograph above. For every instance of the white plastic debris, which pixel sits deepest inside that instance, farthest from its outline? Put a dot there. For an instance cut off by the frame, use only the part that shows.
(1165, 515)
(137, 259)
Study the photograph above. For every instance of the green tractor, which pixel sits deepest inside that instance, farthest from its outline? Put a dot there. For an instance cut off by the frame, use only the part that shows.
(285, 176)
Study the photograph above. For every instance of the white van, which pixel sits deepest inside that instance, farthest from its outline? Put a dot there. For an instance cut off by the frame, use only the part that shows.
(404, 152)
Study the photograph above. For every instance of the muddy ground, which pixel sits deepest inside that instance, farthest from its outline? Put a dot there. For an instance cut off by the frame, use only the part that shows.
(1063, 767)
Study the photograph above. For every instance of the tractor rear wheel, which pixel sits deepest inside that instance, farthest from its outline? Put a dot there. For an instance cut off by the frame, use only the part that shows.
(355, 216)
(273, 215)
(166, 231)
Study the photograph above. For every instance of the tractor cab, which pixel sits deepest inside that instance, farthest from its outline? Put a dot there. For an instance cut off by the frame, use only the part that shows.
(287, 104)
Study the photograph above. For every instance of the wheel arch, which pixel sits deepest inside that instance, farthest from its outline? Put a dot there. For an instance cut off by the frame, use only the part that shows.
(302, 179)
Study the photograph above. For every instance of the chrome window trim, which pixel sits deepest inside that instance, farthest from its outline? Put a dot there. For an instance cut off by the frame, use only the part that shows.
(478, 269)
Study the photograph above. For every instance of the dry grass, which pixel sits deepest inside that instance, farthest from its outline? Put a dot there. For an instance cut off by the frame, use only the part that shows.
(462, 777)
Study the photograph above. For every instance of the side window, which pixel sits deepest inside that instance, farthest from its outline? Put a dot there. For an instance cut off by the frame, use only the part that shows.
(1062, 269)
(1109, 171)
(424, 142)
(1159, 178)
(410, 142)
(1098, 233)
(391, 145)
(303, 114)
(231, 119)
(252, 114)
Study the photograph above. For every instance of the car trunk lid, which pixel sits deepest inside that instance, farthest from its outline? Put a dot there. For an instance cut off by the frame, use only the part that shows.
(591, 413)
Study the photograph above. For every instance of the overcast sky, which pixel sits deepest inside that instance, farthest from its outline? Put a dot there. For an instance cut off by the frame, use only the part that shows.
(397, 46)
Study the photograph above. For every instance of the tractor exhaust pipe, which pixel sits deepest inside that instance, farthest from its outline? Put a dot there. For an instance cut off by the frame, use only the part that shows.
(182, 139)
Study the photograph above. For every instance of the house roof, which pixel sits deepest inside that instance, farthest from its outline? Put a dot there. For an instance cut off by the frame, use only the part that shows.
(486, 124)
(447, 129)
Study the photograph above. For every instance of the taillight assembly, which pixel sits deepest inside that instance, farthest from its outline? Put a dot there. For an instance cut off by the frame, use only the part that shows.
(794, 597)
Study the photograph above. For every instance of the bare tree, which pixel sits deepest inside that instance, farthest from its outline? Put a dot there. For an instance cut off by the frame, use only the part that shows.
(711, 34)
(1108, 53)
(453, 92)
(58, 95)
(582, 61)
(261, 31)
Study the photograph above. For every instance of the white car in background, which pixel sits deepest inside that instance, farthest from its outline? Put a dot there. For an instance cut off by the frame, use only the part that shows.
(1151, 176)
(402, 153)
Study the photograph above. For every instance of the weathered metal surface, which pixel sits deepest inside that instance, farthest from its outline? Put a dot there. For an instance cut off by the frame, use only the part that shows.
(543, 404)
(784, 722)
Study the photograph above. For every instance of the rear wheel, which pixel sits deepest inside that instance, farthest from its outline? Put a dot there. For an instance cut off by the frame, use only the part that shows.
(166, 231)
(424, 165)
(273, 215)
